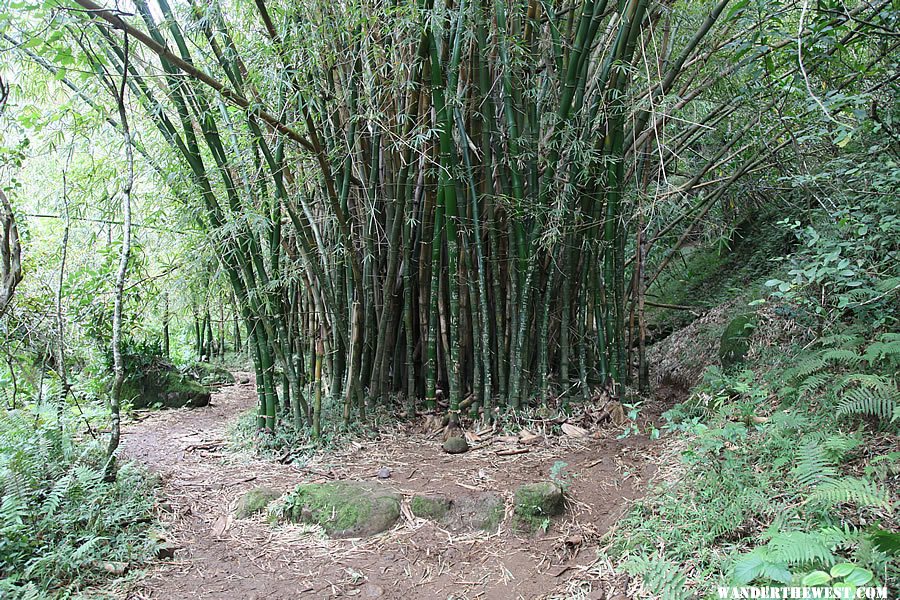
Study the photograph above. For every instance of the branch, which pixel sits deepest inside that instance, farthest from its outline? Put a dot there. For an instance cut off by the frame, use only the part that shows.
(10, 254)
(161, 51)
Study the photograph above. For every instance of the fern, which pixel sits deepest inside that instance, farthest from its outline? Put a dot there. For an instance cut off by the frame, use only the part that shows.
(800, 548)
(807, 366)
(58, 518)
(847, 339)
(842, 357)
(869, 380)
(56, 496)
(813, 465)
(814, 382)
(661, 578)
(883, 350)
(851, 490)
(880, 403)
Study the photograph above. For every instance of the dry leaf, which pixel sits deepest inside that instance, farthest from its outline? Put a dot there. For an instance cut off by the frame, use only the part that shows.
(222, 524)
(531, 438)
(617, 414)
(574, 430)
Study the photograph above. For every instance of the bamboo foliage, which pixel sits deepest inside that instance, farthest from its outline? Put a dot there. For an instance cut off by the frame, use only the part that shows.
(432, 199)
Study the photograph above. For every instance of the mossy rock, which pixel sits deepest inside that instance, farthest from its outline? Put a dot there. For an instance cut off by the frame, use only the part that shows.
(482, 511)
(469, 512)
(344, 509)
(735, 341)
(254, 501)
(430, 507)
(456, 445)
(164, 387)
(209, 374)
(536, 503)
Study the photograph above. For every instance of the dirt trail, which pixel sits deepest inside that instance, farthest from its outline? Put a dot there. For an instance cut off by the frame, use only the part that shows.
(219, 557)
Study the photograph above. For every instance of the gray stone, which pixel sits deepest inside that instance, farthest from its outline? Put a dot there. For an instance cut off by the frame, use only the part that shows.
(535, 503)
(344, 509)
(456, 445)
(254, 501)
(430, 506)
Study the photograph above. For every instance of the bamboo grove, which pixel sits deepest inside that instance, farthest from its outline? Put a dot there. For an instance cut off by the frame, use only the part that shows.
(443, 201)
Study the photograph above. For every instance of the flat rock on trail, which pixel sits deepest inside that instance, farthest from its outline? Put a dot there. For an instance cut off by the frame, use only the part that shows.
(220, 557)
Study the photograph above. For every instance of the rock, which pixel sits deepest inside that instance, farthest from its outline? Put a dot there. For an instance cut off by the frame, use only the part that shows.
(470, 512)
(254, 501)
(735, 341)
(481, 510)
(535, 503)
(432, 507)
(383, 473)
(162, 385)
(344, 509)
(115, 568)
(244, 380)
(456, 445)
(370, 590)
(208, 374)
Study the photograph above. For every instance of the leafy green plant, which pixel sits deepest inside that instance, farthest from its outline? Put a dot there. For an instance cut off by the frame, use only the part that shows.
(661, 578)
(60, 522)
(845, 264)
(802, 559)
(560, 476)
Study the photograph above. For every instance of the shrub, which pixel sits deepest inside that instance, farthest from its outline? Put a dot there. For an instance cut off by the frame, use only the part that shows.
(62, 527)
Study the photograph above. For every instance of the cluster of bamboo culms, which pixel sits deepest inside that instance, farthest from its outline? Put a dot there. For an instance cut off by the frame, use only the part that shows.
(421, 200)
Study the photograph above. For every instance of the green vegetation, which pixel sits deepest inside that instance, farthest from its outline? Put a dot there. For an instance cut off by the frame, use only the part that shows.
(341, 508)
(535, 503)
(254, 501)
(481, 211)
(429, 507)
(62, 527)
(790, 466)
(735, 342)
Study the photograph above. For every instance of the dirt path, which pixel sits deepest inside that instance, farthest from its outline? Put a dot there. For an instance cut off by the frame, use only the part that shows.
(223, 558)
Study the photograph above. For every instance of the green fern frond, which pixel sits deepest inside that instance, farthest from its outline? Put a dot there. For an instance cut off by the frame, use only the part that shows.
(814, 382)
(881, 350)
(851, 490)
(838, 537)
(813, 465)
(842, 357)
(841, 340)
(878, 403)
(837, 446)
(56, 496)
(14, 506)
(662, 578)
(868, 380)
(798, 548)
(807, 366)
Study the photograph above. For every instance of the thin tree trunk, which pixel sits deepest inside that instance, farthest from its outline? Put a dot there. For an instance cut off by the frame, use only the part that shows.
(121, 274)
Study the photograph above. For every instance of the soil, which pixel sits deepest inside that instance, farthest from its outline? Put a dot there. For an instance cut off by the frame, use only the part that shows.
(219, 557)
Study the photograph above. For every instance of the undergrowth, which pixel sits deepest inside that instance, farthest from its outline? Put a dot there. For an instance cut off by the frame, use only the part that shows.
(786, 472)
(62, 527)
(784, 469)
